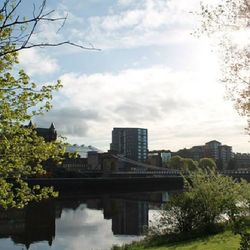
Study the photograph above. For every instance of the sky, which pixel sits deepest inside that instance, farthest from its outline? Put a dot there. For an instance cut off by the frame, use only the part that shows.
(150, 72)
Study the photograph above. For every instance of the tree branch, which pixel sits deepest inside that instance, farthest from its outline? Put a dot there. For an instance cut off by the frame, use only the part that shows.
(26, 29)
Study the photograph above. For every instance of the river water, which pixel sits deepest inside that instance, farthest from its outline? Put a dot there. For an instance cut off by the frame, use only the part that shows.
(80, 221)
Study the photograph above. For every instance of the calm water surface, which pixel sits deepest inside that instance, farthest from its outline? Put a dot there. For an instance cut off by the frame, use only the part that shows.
(76, 222)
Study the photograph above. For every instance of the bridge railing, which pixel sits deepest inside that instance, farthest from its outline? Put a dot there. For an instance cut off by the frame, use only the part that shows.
(235, 172)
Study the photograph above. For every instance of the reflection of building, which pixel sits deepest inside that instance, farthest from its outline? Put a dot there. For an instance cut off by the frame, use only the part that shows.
(12, 221)
(130, 142)
(130, 218)
(34, 223)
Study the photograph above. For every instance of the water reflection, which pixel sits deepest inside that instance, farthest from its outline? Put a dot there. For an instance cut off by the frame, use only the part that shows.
(78, 222)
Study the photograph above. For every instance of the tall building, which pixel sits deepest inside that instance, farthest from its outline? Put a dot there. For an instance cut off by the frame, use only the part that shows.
(212, 149)
(225, 155)
(220, 153)
(130, 142)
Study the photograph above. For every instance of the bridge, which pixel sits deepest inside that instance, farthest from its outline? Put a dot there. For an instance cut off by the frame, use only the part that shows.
(128, 167)
(124, 181)
(121, 171)
(136, 175)
(158, 173)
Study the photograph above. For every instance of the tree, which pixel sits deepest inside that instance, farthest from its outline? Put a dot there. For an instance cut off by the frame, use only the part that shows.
(182, 164)
(189, 164)
(228, 21)
(175, 162)
(22, 151)
(206, 164)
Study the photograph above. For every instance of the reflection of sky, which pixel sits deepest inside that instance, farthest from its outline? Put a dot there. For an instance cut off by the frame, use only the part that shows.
(82, 228)
(79, 229)
(7, 244)
(154, 217)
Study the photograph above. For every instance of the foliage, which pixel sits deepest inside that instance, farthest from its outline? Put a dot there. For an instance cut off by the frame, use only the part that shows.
(22, 151)
(245, 241)
(182, 164)
(207, 163)
(208, 199)
(228, 21)
(175, 162)
(188, 164)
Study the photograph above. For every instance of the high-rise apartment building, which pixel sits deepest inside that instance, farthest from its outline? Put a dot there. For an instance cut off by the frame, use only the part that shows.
(212, 149)
(130, 142)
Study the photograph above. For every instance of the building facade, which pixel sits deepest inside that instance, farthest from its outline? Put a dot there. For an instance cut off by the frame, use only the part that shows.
(241, 161)
(130, 142)
(197, 152)
(226, 155)
(212, 149)
(159, 158)
(222, 154)
(48, 134)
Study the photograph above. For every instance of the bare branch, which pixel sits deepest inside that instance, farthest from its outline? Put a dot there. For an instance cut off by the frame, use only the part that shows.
(42, 45)
(62, 24)
(11, 12)
(20, 37)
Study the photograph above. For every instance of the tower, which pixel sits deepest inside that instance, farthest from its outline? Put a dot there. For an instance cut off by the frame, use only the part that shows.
(130, 142)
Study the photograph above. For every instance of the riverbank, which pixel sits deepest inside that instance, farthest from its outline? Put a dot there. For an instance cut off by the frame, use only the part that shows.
(226, 240)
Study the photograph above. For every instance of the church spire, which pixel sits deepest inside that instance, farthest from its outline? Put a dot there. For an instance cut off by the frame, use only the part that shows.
(30, 124)
(52, 126)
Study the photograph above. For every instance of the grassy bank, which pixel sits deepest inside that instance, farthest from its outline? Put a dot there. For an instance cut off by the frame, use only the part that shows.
(222, 241)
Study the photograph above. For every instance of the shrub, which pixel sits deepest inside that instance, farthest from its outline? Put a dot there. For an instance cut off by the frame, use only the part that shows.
(208, 202)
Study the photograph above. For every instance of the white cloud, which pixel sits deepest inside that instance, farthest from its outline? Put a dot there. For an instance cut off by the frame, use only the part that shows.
(125, 2)
(126, 24)
(37, 63)
(71, 121)
(140, 24)
(179, 108)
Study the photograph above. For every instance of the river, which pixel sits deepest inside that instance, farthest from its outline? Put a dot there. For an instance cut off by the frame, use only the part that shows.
(91, 221)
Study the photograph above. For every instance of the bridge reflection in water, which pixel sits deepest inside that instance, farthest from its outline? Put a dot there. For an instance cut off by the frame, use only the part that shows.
(128, 213)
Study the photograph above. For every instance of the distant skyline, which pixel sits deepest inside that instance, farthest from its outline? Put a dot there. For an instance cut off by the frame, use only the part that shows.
(150, 73)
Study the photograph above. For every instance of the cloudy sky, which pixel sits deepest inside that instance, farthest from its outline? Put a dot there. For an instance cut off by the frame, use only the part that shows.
(151, 73)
